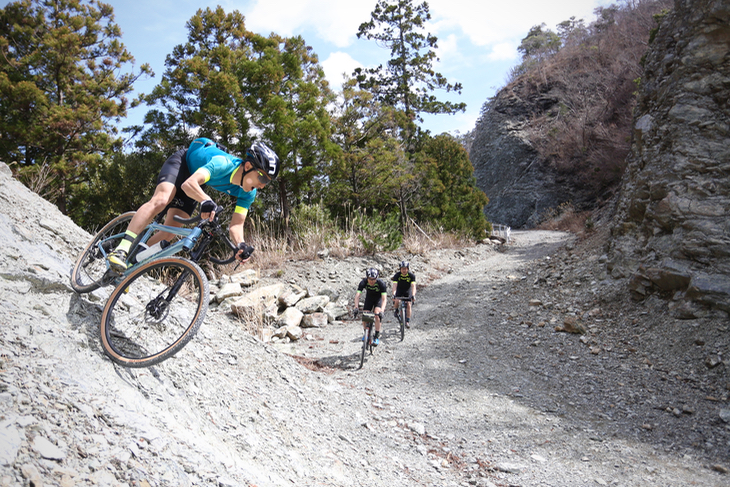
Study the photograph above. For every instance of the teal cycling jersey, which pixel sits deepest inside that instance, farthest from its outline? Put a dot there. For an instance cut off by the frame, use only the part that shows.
(204, 154)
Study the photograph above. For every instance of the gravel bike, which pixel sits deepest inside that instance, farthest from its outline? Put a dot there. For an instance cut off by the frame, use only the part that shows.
(159, 303)
(401, 313)
(368, 317)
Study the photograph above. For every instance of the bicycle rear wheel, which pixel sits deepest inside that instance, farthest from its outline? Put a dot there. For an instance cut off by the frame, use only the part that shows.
(154, 312)
(90, 270)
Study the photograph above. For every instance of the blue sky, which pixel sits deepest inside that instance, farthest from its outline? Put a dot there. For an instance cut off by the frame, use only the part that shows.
(477, 45)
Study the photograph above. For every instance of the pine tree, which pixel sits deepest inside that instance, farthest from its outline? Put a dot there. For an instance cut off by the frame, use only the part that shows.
(408, 80)
(61, 89)
(200, 89)
(286, 96)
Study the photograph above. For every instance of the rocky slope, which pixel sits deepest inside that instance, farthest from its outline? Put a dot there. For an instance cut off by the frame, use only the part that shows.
(489, 388)
(671, 231)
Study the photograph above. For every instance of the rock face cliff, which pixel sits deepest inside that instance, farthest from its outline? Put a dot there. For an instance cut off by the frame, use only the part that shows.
(671, 232)
(507, 167)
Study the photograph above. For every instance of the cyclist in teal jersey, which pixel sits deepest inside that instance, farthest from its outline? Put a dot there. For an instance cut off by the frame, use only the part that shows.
(180, 184)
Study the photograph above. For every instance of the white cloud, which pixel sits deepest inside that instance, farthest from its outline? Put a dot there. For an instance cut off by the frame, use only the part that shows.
(490, 22)
(334, 21)
(337, 64)
(503, 51)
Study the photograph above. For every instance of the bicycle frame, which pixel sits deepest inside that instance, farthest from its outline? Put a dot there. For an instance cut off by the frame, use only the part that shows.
(190, 237)
(403, 305)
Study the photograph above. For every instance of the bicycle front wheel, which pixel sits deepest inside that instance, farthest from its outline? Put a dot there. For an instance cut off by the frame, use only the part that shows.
(154, 312)
(402, 322)
(90, 270)
(365, 345)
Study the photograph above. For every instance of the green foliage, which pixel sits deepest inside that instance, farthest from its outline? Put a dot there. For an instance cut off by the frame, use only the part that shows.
(200, 90)
(539, 43)
(121, 183)
(408, 79)
(61, 86)
(378, 233)
(313, 219)
(658, 19)
(572, 31)
(363, 173)
(286, 97)
(356, 168)
(450, 197)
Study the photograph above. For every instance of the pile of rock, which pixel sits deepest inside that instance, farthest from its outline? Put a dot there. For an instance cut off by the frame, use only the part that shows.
(283, 310)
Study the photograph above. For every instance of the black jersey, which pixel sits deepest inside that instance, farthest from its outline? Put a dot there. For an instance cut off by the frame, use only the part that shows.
(404, 283)
(373, 293)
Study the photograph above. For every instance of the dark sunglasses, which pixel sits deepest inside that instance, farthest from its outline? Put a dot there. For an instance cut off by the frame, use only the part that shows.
(263, 178)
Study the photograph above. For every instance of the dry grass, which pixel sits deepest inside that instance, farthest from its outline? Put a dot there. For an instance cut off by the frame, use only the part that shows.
(252, 322)
(566, 219)
(273, 253)
(416, 242)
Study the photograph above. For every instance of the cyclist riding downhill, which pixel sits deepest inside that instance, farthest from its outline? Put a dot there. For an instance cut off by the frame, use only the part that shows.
(376, 297)
(180, 185)
(404, 286)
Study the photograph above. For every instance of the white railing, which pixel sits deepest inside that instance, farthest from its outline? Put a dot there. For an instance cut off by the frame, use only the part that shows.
(501, 231)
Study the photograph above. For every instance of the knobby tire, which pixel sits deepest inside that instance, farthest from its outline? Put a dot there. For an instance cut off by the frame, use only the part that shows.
(365, 345)
(90, 270)
(154, 312)
(402, 320)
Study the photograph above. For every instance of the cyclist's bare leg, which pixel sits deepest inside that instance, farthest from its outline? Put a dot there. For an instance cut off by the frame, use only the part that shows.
(164, 193)
(169, 221)
(408, 310)
(377, 311)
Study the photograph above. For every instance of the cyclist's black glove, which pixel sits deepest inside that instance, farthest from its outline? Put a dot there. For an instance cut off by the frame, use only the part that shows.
(355, 312)
(207, 206)
(246, 249)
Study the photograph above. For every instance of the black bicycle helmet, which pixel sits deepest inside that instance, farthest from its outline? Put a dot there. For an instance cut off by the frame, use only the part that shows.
(405, 263)
(371, 273)
(264, 158)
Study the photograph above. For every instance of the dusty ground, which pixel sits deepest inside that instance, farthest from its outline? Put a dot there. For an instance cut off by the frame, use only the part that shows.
(635, 400)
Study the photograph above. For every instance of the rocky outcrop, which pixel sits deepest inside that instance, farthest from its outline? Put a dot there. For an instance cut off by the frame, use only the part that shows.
(671, 231)
(507, 168)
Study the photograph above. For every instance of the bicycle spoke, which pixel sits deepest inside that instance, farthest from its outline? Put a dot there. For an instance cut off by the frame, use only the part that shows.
(154, 312)
(90, 270)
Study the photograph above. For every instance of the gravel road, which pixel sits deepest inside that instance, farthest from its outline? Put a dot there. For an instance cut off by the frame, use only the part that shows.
(503, 398)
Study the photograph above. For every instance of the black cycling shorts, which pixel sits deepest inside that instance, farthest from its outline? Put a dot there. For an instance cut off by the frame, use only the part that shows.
(175, 170)
(371, 304)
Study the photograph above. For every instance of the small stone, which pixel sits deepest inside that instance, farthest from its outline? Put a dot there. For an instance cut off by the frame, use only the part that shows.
(48, 450)
(725, 415)
(417, 428)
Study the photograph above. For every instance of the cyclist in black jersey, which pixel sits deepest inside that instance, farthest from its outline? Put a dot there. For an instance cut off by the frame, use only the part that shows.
(404, 285)
(376, 297)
